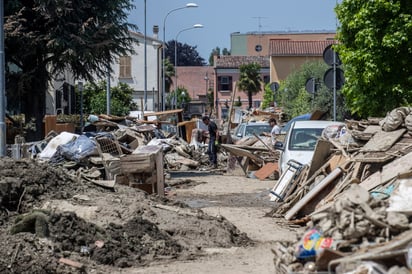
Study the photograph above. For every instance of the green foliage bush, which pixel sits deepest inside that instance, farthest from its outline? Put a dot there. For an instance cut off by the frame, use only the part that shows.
(121, 99)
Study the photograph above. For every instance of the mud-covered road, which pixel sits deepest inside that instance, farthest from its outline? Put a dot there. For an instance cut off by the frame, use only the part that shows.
(52, 221)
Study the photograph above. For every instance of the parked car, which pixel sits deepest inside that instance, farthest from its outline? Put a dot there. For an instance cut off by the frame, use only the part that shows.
(249, 129)
(286, 127)
(316, 115)
(300, 141)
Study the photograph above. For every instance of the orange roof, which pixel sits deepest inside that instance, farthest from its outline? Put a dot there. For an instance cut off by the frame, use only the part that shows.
(234, 61)
(298, 48)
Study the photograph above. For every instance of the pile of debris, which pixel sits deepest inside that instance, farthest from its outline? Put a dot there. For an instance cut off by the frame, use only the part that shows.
(55, 221)
(354, 199)
(140, 152)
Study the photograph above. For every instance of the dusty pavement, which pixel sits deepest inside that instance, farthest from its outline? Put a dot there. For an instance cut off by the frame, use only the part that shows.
(244, 202)
(52, 221)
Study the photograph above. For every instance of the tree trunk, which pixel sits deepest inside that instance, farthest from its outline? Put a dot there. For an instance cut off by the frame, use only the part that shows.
(35, 109)
(34, 105)
(249, 97)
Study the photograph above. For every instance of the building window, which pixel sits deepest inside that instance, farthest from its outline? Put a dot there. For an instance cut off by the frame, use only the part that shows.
(125, 67)
(224, 83)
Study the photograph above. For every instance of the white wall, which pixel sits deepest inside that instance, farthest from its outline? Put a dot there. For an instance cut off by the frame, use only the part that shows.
(137, 82)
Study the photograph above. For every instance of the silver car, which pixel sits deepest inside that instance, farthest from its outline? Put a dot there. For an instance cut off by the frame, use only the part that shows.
(249, 129)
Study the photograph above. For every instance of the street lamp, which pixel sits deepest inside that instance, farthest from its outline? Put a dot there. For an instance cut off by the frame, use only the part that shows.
(188, 5)
(207, 82)
(195, 26)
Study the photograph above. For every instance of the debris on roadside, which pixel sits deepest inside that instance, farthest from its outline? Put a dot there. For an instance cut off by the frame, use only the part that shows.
(352, 200)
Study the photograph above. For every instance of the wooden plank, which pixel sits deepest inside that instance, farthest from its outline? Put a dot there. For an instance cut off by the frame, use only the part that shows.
(266, 170)
(312, 193)
(242, 153)
(71, 263)
(372, 181)
(389, 171)
(383, 140)
(160, 175)
(397, 166)
(322, 152)
(372, 129)
(229, 121)
(135, 163)
(167, 112)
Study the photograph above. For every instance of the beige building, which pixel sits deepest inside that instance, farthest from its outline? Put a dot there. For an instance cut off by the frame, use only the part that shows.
(278, 53)
(259, 43)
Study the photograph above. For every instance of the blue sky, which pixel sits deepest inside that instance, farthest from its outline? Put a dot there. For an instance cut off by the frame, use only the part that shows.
(220, 18)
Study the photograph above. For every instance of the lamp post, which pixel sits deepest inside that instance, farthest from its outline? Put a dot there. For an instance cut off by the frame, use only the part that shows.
(188, 5)
(195, 26)
(207, 82)
(3, 150)
(145, 57)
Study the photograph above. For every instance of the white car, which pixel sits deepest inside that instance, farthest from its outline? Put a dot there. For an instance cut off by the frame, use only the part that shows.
(300, 141)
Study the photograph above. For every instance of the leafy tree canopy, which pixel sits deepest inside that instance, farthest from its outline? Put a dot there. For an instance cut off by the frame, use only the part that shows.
(250, 80)
(169, 73)
(46, 37)
(216, 51)
(80, 36)
(375, 47)
(121, 99)
(178, 98)
(267, 97)
(295, 100)
(186, 55)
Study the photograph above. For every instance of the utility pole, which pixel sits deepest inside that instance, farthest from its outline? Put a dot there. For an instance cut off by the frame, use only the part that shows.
(2, 86)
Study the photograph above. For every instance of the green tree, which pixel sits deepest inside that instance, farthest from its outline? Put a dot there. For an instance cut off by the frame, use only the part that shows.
(182, 96)
(375, 47)
(186, 55)
(169, 73)
(250, 80)
(295, 100)
(216, 51)
(121, 99)
(45, 38)
(238, 102)
(267, 97)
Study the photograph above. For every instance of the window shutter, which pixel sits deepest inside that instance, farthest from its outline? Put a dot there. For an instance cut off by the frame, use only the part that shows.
(125, 67)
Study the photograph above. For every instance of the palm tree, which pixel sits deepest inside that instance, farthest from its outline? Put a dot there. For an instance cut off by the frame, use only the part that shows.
(250, 80)
(169, 73)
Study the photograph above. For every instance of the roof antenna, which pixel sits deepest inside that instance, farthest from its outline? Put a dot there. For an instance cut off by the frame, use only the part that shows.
(258, 47)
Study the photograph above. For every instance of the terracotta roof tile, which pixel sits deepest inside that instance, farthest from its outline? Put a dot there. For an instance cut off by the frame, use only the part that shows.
(298, 48)
(229, 61)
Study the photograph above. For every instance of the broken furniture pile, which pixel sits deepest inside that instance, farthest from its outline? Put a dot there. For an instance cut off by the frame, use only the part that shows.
(355, 200)
(253, 156)
(134, 152)
(184, 147)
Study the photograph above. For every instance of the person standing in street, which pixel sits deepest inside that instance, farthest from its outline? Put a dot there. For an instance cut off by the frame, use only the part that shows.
(275, 130)
(213, 140)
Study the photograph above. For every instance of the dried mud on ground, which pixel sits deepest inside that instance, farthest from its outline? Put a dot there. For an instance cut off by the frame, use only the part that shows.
(47, 213)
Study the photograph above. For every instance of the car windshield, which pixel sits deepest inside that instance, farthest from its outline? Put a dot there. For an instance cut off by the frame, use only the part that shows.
(257, 129)
(304, 138)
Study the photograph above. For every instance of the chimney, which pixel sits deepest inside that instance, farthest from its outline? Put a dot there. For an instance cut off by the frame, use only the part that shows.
(156, 31)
